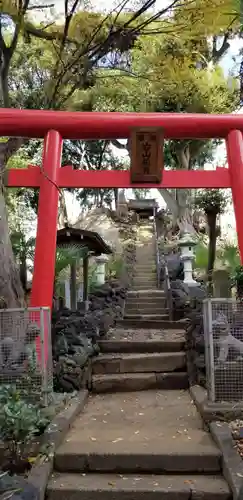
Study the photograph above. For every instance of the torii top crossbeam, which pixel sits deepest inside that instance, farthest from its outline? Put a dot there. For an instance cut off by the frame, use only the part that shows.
(55, 126)
(96, 125)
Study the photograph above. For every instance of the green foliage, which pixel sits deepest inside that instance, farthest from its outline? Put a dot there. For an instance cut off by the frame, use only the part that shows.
(238, 276)
(20, 421)
(92, 155)
(92, 281)
(65, 257)
(229, 256)
(211, 200)
(201, 256)
(114, 268)
(238, 281)
(23, 248)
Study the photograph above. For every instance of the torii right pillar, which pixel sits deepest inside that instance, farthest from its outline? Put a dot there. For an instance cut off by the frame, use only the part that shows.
(234, 143)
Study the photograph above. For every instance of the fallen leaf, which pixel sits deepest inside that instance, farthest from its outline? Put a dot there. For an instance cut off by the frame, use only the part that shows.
(93, 439)
(117, 440)
(239, 474)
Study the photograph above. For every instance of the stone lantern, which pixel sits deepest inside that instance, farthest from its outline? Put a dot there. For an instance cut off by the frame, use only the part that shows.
(101, 261)
(186, 245)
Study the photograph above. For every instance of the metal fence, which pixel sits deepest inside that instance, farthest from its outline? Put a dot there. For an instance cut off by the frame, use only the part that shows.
(223, 334)
(26, 352)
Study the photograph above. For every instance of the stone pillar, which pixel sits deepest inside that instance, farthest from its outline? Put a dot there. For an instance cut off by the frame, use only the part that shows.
(86, 282)
(73, 285)
(101, 261)
(186, 244)
(81, 292)
(222, 284)
(67, 294)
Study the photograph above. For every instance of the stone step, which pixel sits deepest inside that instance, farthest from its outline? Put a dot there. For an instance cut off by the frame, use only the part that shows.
(145, 255)
(144, 261)
(139, 363)
(143, 301)
(147, 295)
(146, 267)
(144, 287)
(145, 309)
(146, 316)
(145, 280)
(139, 346)
(144, 283)
(116, 487)
(155, 432)
(129, 382)
(141, 275)
(140, 272)
(150, 323)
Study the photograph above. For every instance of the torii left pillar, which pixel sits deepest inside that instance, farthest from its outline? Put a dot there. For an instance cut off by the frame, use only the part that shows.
(45, 250)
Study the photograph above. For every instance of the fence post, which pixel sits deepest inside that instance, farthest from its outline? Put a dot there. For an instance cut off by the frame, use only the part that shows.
(209, 348)
(44, 337)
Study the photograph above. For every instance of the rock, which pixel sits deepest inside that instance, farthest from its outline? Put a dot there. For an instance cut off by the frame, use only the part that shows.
(75, 334)
(175, 267)
(195, 345)
(61, 345)
(26, 491)
(81, 358)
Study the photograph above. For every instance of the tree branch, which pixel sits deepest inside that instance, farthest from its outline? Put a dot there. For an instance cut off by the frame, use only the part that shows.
(218, 53)
(118, 145)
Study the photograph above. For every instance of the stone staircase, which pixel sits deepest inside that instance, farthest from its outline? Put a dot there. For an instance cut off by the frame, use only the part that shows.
(136, 364)
(140, 436)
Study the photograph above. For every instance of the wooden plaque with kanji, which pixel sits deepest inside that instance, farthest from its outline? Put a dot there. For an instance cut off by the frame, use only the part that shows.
(146, 149)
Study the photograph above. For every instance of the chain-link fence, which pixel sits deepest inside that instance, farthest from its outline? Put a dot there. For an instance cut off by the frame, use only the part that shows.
(223, 333)
(26, 352)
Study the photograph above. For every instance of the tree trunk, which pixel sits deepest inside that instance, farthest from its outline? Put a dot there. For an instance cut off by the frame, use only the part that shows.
(115, 190)
(23, 272)
(63, 215)
(11, 291)
(178, 203)
(212, 233)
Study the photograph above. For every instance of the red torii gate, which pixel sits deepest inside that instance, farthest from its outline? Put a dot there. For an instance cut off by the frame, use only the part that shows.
(54, 126)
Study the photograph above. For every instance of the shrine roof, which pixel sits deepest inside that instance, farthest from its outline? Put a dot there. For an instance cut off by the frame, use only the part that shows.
(147, 204)
(90, 239)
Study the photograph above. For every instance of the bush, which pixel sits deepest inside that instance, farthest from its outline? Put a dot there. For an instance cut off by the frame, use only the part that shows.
(20, 421)
(115, 268)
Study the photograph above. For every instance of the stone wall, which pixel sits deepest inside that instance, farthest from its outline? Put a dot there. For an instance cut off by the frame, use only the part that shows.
(128, 237)
(75, 335)
(195, 345)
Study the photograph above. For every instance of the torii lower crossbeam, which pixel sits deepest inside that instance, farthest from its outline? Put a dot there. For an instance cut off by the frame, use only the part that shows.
(69, 178)
(57, 126)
